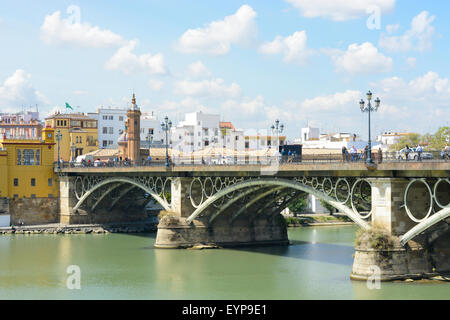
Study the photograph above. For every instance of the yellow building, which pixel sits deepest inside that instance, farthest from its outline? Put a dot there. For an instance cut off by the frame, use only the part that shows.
(26, 167)
(78, 134)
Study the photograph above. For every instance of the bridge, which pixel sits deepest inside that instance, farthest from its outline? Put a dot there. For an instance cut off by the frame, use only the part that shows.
(229, 205)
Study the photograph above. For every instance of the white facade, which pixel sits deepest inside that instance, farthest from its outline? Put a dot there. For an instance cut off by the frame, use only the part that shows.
(111, 124)
(151, 126)
(200, 130)
(309, 133)
(389, 138)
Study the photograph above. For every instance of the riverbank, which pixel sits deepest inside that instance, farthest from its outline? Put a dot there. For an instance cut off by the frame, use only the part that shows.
(56, 228)
(313, 220)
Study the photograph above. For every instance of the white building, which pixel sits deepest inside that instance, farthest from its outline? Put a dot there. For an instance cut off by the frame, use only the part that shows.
(200, 130)
(389, 138)
(111, 124)
(312, 139)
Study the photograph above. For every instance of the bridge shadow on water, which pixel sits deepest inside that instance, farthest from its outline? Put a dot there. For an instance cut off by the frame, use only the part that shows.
(304, 250)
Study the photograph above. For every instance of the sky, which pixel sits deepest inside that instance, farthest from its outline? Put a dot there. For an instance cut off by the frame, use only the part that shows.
(304, 62)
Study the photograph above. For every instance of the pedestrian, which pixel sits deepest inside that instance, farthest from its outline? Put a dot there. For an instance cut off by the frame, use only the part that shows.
(366, 152)
(380, 155)
(353, 153)
(419, 151)
(407, 150)
(344, 154)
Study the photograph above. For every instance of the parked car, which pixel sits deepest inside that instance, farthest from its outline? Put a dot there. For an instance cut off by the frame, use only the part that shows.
(413, 155)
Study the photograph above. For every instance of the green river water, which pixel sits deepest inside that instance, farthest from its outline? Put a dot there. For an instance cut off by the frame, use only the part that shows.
(126, 266)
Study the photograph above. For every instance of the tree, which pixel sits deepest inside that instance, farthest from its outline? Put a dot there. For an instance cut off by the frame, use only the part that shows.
(327, 206)
(440, 139)
(299, 205)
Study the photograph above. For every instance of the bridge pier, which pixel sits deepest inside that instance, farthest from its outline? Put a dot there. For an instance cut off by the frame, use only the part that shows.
(380, 249)
(175, 232)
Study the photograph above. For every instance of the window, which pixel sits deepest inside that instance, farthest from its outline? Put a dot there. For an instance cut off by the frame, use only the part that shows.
(111, 130)
(89, 124)
(237, 138)
(50, 182)
(105, 130)
(75, 123)
(105, 143)
(121, 118)
(16, 195)
(111, 117)
(33, 182)
(28, 157)
(38, 157)
(16, 182)
(150, 131)
(246, 145)
(79, 138)
(110, 142)
(105, 117)
(19, 157)
(33, 196)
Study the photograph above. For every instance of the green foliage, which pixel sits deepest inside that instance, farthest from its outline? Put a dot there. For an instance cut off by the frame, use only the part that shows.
(375, 238)
(412, 139)
(327, 206)
(299, 205)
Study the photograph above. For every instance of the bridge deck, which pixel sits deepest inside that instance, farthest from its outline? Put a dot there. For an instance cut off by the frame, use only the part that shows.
(389, 169)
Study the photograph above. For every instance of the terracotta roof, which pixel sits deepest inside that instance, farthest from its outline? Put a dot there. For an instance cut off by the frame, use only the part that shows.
(226, 125)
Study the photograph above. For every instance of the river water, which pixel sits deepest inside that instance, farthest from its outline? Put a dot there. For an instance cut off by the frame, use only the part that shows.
(126, 266)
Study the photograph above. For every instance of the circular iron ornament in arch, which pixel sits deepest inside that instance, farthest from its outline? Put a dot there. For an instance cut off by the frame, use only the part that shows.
(408, 212)
(159, 186)
(351, 199)
(324, 186)
(314, 183)
(167, 182)
(190, 192)
(209, 181)
(336, 187)
(218, 184)
(86, 184)
(435, 193)
(78, 180)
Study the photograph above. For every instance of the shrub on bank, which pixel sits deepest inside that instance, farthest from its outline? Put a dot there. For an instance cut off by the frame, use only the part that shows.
(376, 238)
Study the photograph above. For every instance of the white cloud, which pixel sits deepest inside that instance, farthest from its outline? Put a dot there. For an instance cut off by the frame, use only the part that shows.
(340, 10)
(198, 70)
(361, 59)
(293, 48)
(391, 28)
(55, 30)
(155, 85)
(207, 88)
(217, 37)
(412, 62)
(418, 38)
(127, 62)
(339, 102)
(18, 91)
(79, 92)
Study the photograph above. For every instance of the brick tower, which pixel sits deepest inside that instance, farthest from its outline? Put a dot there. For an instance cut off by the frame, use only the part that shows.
(134, 131)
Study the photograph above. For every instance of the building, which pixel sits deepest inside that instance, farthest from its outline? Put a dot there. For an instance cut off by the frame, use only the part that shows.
(28, 184)
(78, 134)
(389, 138)
(130, 141)
(200, 130)
(23, 125)
(263, 141)
(311, 138)
(111, 124)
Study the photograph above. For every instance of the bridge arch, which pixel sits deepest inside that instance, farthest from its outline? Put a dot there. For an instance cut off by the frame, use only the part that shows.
(276, 182)
(122, 180)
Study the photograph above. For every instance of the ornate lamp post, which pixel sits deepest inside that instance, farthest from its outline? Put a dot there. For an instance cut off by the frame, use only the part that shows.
(278, 129)
(369, 108)
(149, 141)
(73, 149)
(58, 137)
(166, 125)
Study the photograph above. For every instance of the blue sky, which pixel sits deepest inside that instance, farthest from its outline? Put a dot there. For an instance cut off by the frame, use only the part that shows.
(301, 61)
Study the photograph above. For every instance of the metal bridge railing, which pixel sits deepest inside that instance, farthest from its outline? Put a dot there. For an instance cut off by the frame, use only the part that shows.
(252, 160)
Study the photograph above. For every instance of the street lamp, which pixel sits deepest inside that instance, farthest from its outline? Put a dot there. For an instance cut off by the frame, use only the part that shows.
(58, 137)
(278, 129)
(149, 141)
(73, 148)
(166, 125)
(369, 108)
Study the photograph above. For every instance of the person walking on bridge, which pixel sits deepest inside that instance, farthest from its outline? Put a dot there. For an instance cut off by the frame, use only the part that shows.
(419, 151)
